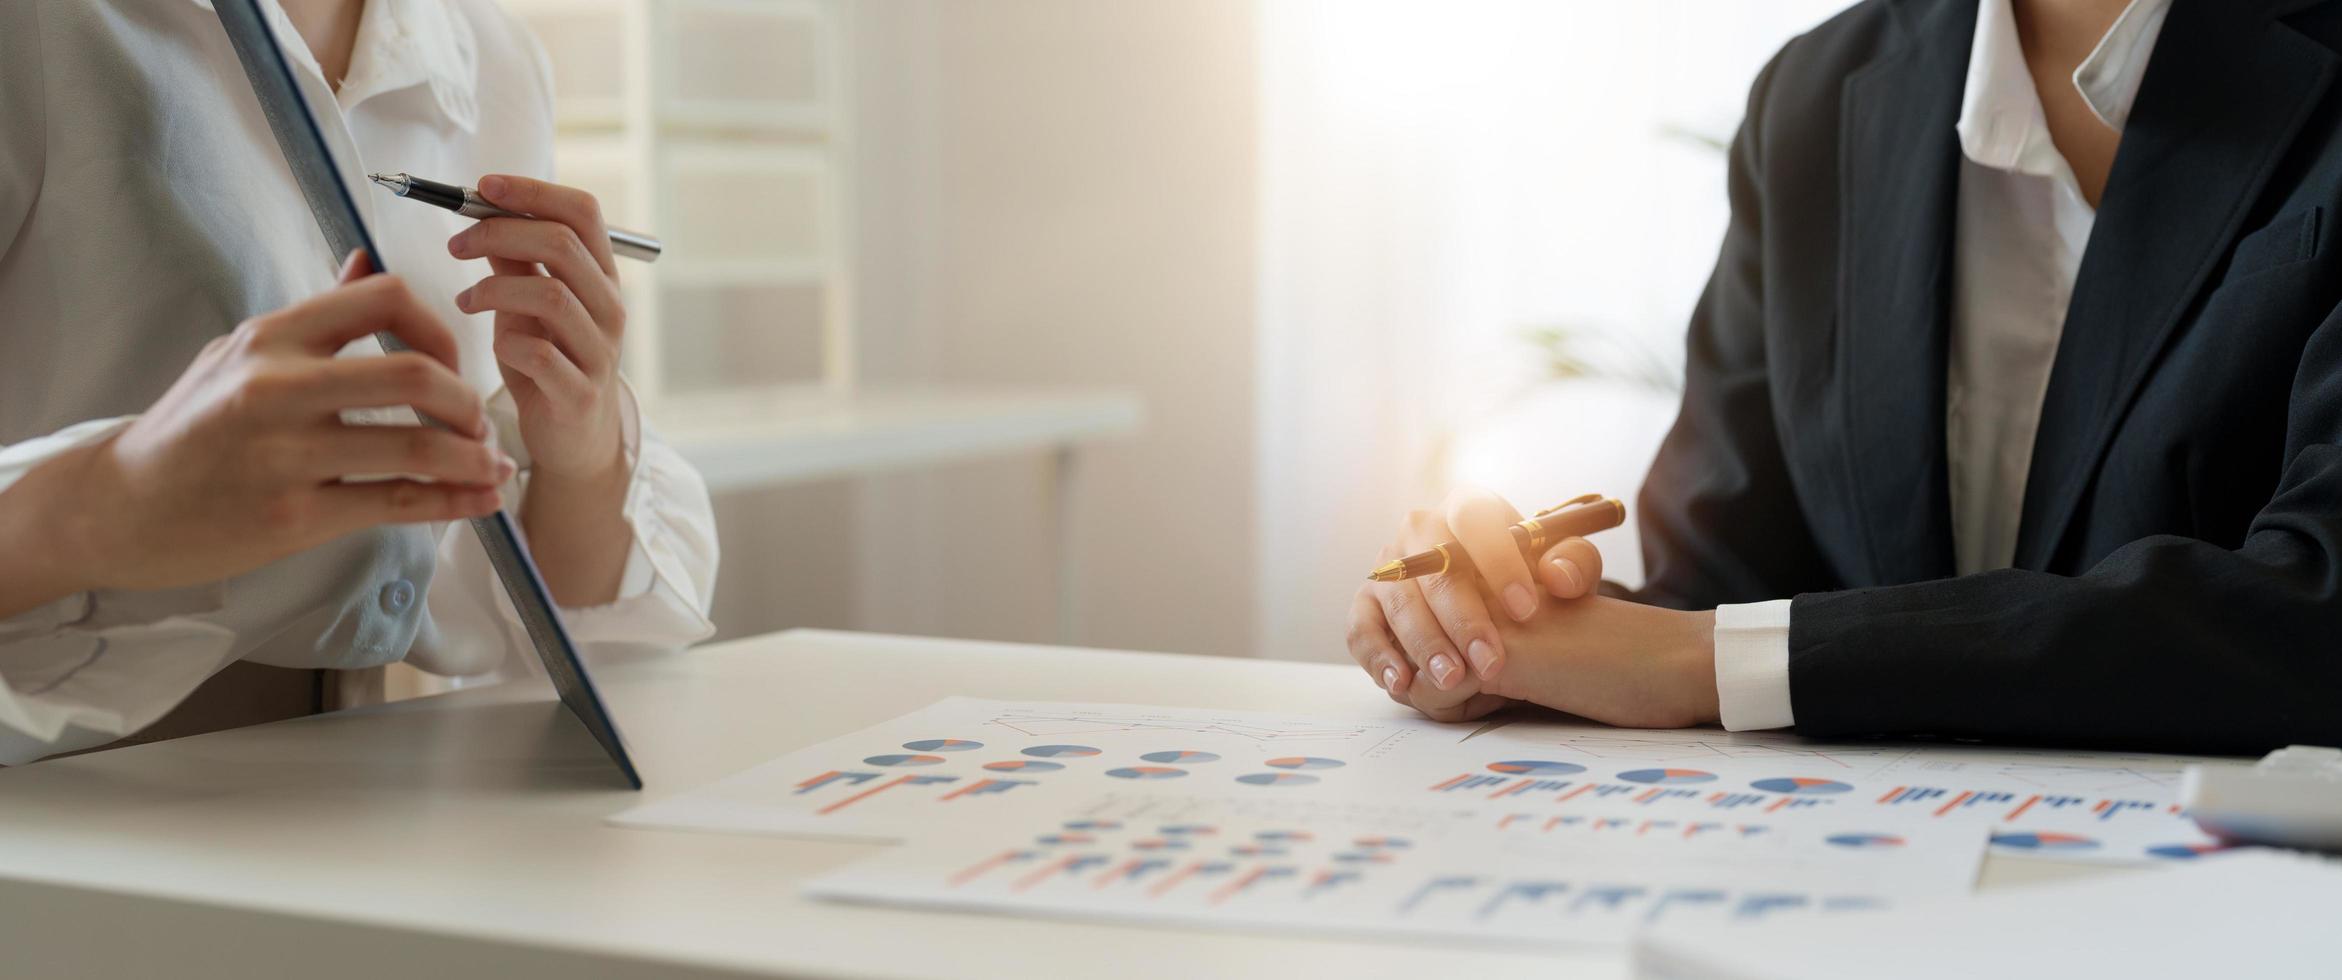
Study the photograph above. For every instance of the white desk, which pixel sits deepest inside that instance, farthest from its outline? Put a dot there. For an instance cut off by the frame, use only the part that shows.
(461, 835)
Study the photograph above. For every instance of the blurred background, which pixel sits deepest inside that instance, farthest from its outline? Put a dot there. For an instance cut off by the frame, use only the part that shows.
(1142, 324)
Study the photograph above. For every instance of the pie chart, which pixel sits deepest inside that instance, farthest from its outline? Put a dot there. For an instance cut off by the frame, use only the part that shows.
(1535, 767)
(1093, 825)
(1023, 765)
(1190, 830)
(1284, 835)
(1668, 777)
(1800, 785)
(1146, 772)
(1065, 839)
(943, 745)
(1303, 762)
(2183, 852)
(1865, 841)
(1389, 842)
(1276, 779)
(902, 760)
(2044, 842)
(1061, 751)
(1180, 755)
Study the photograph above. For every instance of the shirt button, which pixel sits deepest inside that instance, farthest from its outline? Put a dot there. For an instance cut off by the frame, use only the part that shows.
(397, 596)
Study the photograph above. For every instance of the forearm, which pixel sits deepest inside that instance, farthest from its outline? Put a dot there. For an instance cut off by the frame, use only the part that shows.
(577, 531)
(44, 554)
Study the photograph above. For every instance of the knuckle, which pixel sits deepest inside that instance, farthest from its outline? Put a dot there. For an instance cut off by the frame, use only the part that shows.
(286, 512)
(559, 301)
(418, 447)
(406, 497)
(411, 375)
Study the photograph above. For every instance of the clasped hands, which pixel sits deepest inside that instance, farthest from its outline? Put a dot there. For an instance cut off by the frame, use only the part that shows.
(1504, 628)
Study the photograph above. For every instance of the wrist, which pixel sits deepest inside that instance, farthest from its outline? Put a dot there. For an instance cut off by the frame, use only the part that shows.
(52, 512)
(1695, 657)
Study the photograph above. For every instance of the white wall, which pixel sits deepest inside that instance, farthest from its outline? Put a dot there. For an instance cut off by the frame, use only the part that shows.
(1060, 192)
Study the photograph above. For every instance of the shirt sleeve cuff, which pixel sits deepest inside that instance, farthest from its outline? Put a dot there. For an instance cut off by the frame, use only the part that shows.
(1752, 665)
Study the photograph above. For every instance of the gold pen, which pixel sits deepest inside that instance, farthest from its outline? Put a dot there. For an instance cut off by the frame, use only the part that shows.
(1574, 519)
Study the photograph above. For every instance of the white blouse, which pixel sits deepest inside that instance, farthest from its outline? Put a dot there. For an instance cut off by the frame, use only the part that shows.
(144, 210)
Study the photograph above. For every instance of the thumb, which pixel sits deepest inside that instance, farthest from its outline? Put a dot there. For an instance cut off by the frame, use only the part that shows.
(358, 266)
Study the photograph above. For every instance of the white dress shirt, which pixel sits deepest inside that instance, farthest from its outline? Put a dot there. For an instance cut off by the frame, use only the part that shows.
(144, 209)
(2022, 223)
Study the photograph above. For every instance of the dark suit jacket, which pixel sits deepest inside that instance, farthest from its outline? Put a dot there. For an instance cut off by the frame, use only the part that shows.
(2178, 578)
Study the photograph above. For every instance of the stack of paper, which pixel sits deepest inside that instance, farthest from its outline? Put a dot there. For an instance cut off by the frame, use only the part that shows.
(2243, 914)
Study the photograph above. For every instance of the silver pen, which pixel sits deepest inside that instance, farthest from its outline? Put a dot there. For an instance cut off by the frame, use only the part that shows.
(468, 202)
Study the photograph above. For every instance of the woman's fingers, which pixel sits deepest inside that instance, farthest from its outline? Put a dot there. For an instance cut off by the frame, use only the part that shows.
(536, 359)
(1455, 600)
(553, 202)
(1482, 522)
(552, 245)
(1372, 645)
(345, 507)
(1571, 569)
(339, 451)
(550, 302)
(400, 378)
(1419, 633)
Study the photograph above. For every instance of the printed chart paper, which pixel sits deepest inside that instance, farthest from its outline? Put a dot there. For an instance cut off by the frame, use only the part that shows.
(2089, 806)
(966, 759)
(1162, 858)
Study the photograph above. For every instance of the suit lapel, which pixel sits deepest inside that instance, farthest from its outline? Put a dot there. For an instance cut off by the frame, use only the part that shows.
(1900, 158)
(2225, 93)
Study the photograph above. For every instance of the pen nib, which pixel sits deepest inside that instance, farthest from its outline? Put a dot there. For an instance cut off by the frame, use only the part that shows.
(396, 182)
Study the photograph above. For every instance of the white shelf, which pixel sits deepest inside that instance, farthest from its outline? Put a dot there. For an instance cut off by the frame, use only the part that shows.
(761, 441)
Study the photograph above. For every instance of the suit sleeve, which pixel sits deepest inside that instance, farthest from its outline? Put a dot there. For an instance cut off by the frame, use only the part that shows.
(2168, 642)
(1719, 517)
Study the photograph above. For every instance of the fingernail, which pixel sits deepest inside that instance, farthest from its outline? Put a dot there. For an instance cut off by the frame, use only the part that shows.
(1520, 600)
(1443, 671)
(1482, 656)
(1569, 571)
(1390, 676)
(505, 467)
(492, 186)
(455, 246)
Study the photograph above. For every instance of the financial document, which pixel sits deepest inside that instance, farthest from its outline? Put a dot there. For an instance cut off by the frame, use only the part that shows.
(1420, 872)
(1530, 832)
(2070, 806)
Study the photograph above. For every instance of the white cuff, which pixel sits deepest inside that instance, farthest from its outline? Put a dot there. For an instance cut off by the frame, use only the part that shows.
(1752, 665)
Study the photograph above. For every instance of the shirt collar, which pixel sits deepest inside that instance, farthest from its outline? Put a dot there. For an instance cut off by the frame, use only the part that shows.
(402, 43)
(2001, 125)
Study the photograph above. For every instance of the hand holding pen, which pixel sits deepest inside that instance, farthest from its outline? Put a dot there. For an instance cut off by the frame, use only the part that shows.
(1427, 610)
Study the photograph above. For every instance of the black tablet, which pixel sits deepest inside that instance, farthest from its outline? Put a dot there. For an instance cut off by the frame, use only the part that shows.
(311, 161)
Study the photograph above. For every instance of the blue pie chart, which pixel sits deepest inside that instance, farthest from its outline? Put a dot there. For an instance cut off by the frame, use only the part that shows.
(1276, 779)
(1535, 767)
(1303, 762)
(1146, 772)
(1061, 751)
(903, 760)
(1180, 755)
(943, 745)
